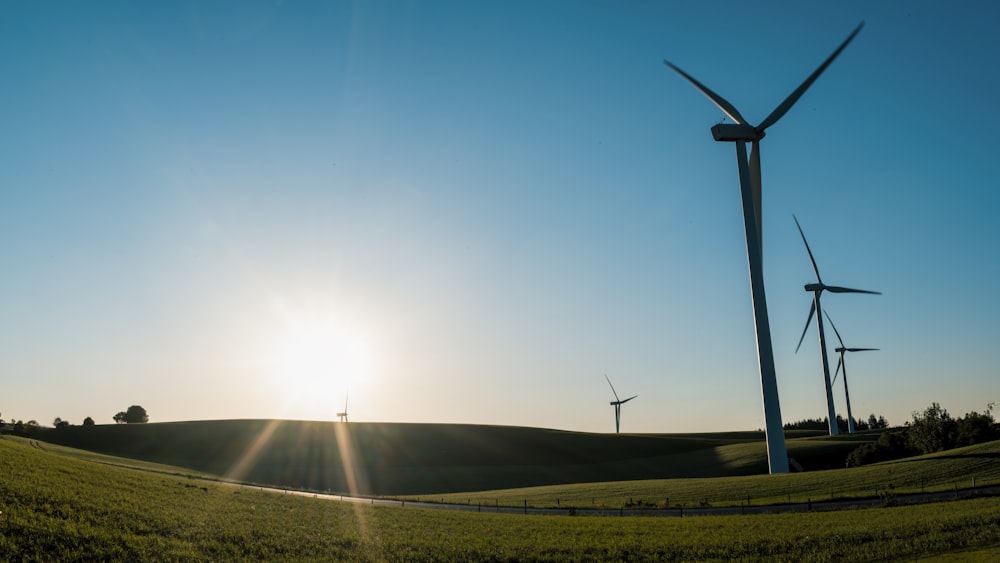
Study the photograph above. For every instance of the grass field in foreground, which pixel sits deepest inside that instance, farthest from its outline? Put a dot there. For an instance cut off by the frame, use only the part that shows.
(962, 468)
(59, 508)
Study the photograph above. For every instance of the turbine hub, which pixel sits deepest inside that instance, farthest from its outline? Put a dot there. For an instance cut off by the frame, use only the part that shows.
(736, 132)
(814, 287)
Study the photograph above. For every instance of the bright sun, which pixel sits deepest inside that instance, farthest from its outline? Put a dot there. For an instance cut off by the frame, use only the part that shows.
(320, 360)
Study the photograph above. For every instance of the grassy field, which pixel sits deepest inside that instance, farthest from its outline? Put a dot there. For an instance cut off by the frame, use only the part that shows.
(56, 507)
(962, 468)
(399, 459)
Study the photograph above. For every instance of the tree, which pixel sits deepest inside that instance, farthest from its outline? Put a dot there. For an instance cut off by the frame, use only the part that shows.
(975, 428)
(60, 423)
(932, 431)
(890, 445)
(120, 417)
(88, 421)
(136, 415)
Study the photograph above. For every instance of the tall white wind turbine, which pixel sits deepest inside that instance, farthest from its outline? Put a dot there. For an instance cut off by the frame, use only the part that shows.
(343, 415)
(841, 363)
(617, 403)
(742, 132)
(817, 290)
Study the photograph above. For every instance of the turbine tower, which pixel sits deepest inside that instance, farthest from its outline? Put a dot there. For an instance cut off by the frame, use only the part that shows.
(742, 132)
(343, 415)
(617, 403)
(817, 290)
(842, 363)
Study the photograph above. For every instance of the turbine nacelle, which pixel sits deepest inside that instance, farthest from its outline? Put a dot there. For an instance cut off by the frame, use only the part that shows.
(736, 132)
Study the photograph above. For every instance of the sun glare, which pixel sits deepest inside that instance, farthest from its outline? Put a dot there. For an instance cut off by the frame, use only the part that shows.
(317, 362)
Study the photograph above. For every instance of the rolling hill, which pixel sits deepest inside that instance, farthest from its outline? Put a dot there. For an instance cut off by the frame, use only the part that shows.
(398, 459)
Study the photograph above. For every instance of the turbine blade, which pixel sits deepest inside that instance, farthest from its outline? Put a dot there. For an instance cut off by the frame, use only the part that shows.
(812, 309)
(811, 259)
(755, 186)
(839, 339)
(720, 102)
(836, 289)
(860, 349)
(794, 96)
(840, 362)
(629, 399)
(612, 388)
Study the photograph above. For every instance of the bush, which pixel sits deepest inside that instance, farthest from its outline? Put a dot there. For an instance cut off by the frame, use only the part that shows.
(891, 445)
(933, 430)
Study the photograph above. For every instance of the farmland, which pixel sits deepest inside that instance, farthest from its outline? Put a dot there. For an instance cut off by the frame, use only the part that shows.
(418, 459)
(57, 507)
(963, 468)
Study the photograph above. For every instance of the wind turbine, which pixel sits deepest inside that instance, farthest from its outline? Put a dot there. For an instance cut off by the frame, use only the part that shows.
(617, 403)
(817, 290)
(343, 415)
(842, 363)
(742, 132)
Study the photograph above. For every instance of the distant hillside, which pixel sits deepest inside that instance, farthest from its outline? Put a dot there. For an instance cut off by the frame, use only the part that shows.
(392, 458)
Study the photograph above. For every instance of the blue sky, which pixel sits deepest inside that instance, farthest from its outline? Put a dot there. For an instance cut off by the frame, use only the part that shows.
(470, 211)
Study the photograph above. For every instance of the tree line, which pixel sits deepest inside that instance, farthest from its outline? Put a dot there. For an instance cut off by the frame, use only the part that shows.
(873, 423)
(933, 430)
(135, 414)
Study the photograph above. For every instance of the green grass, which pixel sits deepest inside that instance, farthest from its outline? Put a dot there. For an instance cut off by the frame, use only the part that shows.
(58, 508)
(398, 459)
(935, 472)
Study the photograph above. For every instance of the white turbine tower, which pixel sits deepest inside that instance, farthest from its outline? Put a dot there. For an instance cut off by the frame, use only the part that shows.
(817, 290)
(742, 132)
(841, 363)
(617, 403)
(343, 415)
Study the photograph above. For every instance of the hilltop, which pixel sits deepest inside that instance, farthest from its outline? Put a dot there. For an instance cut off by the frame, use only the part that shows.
(396, 458)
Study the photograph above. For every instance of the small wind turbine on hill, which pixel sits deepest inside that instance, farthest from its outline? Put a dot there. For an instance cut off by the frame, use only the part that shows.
(617, 403)
(817, 289)
(343, 415)
(742, 132)
(842, 364)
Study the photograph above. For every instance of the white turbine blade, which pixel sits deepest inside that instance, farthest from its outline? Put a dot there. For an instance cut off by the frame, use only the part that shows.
(811, 259)
(755, 186)
(860, 349)
(720, 102)
(840, 362)
(612, 389)
(629, 399)
(839, 339)
(812, 309)
(838, 289)
(794, 96)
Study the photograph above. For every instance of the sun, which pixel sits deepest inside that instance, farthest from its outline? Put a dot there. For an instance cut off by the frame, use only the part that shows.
(318, 360)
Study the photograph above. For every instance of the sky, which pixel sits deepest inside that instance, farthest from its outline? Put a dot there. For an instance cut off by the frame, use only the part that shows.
(470, 212)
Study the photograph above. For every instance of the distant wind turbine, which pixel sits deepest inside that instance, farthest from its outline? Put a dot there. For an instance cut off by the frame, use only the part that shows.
(817, 289)
(843, 364)
(742, 132)
(343, 415)
(617, 403)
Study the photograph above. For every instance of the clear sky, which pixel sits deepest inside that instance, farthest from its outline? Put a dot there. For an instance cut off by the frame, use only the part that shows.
(468, 212)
